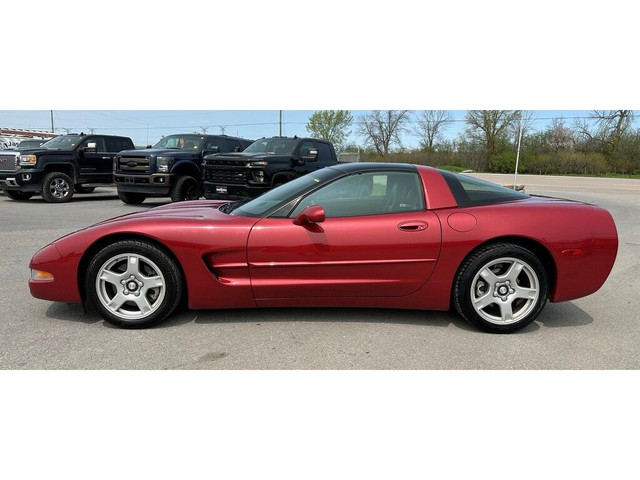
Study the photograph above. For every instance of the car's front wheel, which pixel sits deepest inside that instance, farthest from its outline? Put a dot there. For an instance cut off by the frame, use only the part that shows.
(501, 288)
(133, 284)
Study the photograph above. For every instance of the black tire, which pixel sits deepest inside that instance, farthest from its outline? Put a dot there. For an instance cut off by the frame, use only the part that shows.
(81, 189)
(132, 198)
(116, 287)
(18, 195)
(185, 188)
(501, 288)
(57, 187)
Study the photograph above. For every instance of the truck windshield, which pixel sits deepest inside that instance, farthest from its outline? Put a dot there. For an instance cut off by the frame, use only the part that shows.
(276, 146)
(181, 142)
(63, 142)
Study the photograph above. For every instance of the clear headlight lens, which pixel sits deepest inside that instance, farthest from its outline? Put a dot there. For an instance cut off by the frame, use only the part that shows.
(164, 164)
(27, 160)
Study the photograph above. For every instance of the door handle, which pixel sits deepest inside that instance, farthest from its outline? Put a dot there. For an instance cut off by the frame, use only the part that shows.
(413, 226)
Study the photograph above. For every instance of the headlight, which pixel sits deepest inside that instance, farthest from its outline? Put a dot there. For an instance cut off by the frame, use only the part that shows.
(27, 160)
(164, 164)
(257, 164)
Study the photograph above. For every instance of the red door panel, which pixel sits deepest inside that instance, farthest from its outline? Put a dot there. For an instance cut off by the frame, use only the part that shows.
(379, 255)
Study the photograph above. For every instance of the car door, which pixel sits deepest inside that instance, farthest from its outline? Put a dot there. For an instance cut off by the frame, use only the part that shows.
(94, 164)
(377, 240)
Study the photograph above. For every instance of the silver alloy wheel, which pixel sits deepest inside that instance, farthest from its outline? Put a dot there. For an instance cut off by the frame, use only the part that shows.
(59, 188)
(505, 290)
(130, 286)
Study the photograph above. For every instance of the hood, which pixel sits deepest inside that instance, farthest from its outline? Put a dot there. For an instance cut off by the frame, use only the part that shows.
(154, 152)
(242, 156)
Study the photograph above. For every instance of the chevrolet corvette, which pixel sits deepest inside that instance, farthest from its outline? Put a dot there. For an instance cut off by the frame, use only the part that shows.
(352, 235)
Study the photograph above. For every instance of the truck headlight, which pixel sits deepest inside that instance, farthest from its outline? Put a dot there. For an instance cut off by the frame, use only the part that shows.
(27, 160)
(164, 164)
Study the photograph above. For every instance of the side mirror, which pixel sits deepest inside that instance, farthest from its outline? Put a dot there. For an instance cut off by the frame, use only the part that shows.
(311, 214)
(91, 147)
(210, 151)
(312, 156)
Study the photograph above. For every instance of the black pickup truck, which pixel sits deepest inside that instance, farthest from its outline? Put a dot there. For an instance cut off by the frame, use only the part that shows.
(64, 165)
(171, 168)
(264, 164)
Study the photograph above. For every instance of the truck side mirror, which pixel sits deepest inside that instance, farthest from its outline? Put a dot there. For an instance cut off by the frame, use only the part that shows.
(311, 156)
(210, 151)
(91, 147)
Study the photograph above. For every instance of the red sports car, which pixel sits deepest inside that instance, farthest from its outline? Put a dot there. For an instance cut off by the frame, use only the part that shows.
(352, 235)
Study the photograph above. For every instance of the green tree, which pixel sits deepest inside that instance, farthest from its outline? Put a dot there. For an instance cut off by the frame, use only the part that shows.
(488, 128)
(331, 125)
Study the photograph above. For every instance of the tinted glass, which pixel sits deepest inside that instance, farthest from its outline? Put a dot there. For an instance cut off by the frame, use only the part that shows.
(469, 191)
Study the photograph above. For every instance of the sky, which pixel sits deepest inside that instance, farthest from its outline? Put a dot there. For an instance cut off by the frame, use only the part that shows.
(146, 127)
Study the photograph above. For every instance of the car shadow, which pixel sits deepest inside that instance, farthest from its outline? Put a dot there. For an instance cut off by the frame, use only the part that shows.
(558, 315)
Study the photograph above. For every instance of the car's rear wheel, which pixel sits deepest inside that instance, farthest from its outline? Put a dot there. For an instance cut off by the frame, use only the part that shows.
(132, 198)
(57, 187)
(133, 284)
(17, 195)
(185, 188)
(81, 189)
(501, 288)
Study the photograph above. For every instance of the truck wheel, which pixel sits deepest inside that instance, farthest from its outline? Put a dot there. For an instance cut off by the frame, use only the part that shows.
(132, 198)
(57, 187)
(17, 195)
(81, 189)
(186, 188)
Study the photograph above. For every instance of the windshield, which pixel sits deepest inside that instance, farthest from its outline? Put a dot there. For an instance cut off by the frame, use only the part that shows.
(30, 144)
(181, 142)
(271, 200)
(277, 146)
(63, 142)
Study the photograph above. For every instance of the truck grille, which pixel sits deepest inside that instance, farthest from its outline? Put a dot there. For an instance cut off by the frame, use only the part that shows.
(8, 162)
(134, 164)
(225, 174)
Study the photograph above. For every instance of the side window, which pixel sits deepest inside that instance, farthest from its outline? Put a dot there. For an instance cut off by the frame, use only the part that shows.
(234, 145)
(372, 193)
(324, 153)
(116, 144)
(216, 142)
(305, 147)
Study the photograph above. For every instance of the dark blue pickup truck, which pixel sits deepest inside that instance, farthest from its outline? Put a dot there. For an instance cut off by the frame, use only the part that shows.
(171, 168)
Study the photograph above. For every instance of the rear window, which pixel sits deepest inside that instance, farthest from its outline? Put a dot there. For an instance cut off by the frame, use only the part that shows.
(470, 191)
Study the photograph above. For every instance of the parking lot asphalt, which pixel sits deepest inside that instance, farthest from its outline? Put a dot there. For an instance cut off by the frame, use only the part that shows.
(601, 331)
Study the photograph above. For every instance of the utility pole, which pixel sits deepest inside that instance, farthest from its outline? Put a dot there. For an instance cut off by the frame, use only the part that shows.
(280, 122)
(52, 129)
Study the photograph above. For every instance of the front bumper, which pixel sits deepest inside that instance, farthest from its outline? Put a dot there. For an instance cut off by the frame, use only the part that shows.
(221, 191)
(152, 184)
(21, 180)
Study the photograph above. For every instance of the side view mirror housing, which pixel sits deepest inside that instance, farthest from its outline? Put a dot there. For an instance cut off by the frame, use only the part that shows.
(210, 151)
(91, 147)
(310, 215)
(312, 156)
